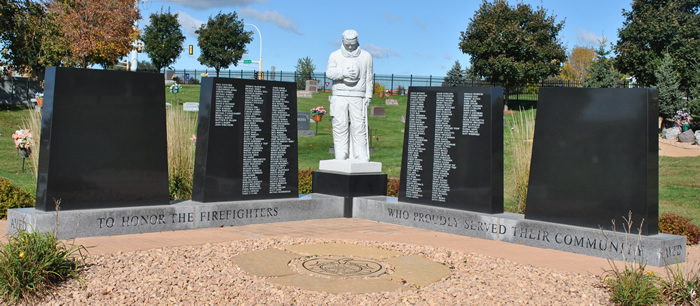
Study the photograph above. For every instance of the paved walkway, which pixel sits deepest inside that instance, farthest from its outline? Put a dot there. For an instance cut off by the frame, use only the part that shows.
(355, 229)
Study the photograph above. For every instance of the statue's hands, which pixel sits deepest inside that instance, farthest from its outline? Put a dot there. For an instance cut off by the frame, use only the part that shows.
(366, 101)
(350, 73)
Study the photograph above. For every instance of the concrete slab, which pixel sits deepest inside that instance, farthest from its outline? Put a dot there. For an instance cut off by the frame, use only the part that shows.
(336, 285)
(340, 249)
(349, 166)
(268, 263)
(416, 270)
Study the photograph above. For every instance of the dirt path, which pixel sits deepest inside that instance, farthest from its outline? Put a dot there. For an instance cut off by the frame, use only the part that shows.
(673, 148)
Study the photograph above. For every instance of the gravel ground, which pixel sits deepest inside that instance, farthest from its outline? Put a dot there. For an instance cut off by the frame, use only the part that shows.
(205, 274)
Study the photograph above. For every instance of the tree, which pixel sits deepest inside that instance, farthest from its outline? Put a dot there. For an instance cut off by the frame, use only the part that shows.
(23, 27)
(601, 72)
(513, 46)
(163, 39)
(653, 27)
(222, 41)
(576, 67)
(667, 82)
(305, 71)
(94, 31)
(455, 76)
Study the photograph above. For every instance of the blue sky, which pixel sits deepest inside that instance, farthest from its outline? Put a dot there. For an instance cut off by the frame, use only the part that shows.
(404, 37)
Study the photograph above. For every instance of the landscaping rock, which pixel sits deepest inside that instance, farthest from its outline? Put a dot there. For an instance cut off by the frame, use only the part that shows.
(697, 137)
(686, 137)
(671, 133)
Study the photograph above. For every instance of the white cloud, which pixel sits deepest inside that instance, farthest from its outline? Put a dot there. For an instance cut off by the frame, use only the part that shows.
(589, 38)
(419, 23)
(379, 52)
(273, 17)
(428, 56)
(189, 23)
(392, 18)
(213, 4)
(448, 56)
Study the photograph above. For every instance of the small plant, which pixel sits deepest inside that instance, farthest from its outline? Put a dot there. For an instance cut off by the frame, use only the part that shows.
(678, 225)
(32, 263)
(392, 188)
(12, 196)
(318, 111)
(378, 88)
(306, 181)
(679, 288)
(633, 286)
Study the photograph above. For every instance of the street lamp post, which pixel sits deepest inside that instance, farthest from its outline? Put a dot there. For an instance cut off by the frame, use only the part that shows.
(260, 61)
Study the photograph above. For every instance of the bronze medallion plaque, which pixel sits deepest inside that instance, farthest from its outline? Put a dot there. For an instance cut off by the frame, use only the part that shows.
(343, 267)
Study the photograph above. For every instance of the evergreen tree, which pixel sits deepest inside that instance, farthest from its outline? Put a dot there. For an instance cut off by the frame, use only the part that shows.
(222, 41)
(601, 73)
(455, 76)
(305, 71)
(162, 39)
(667, 82)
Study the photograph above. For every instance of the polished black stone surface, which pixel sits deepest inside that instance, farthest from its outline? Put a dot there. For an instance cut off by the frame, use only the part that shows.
(103, 140)
(453, 148)
(246, 141)
(595, 158)
(349, 186)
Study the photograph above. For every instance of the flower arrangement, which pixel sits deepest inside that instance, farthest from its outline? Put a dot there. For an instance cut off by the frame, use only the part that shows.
(318, 111)
(23, 139)
(682, 116)
(204, 75)
(39, 95)
(175, 88)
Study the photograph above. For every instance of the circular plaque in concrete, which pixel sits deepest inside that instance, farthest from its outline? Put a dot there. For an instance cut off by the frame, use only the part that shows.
(343, 266)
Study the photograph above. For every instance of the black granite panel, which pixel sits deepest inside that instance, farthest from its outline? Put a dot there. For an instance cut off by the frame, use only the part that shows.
(103, 140)
(453, 148)
(246, 141)
(595, 158)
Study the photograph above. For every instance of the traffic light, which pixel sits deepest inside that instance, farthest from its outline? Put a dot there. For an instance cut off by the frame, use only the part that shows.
(191, 49)
(139, 47)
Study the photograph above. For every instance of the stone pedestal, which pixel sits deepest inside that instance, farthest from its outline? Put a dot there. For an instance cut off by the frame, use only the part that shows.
(349, 185)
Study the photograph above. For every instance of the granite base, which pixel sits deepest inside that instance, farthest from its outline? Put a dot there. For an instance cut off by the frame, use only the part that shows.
(655, 250)
(181, 216)
(349, 186)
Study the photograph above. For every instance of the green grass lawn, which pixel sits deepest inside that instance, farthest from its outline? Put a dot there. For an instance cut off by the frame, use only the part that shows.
(679, 178)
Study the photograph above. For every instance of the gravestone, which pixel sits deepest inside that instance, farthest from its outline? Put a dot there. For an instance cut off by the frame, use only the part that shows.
(190, 106)
(246, 141)
(392, 102)
(303, 124)
(311, 86)
(377, 111)
(595, 158)
(453, 148)
(94, 152)
(304, 94)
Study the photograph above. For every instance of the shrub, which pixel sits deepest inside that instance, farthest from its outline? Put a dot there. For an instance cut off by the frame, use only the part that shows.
(521, 132)
(193, 81)
(306, 181)
(12, 196)
(32, 263)
(392, 188)
(677, 225)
